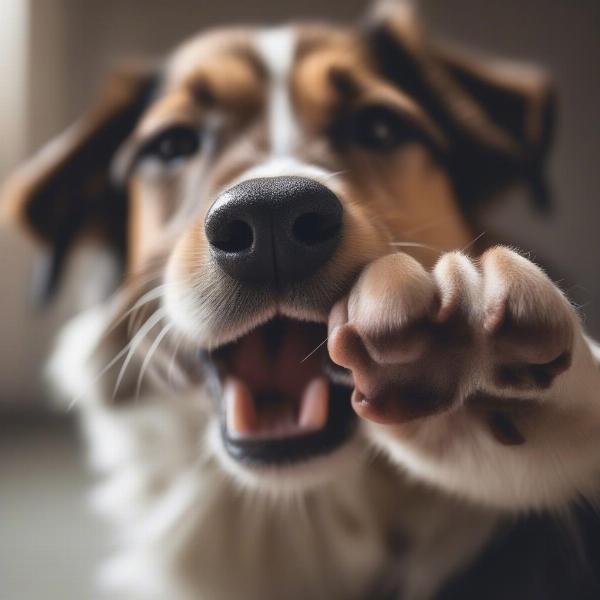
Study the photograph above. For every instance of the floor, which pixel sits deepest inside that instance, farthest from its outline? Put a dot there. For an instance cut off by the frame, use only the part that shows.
(49, 540)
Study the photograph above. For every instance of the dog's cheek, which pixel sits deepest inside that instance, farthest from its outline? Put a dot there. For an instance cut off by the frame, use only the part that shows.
(416, 200)
(366, 235)
(145, 222)
(187, 274)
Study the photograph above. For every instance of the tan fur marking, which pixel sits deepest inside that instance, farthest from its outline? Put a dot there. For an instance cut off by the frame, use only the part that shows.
(232, 80)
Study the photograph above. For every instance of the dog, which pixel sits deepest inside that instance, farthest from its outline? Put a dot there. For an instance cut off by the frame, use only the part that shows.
(304, 385)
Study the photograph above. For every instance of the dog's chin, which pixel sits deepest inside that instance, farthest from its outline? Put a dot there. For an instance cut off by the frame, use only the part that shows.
(285, 421)
(287, 479)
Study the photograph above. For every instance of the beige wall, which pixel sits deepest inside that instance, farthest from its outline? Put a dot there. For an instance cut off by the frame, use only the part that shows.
(59, 49)
(18, 355)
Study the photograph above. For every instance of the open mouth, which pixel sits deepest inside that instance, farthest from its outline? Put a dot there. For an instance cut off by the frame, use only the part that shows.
(279, 401)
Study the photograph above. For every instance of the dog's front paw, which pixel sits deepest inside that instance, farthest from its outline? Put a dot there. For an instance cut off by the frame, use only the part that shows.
(405, 341)
(419, 342)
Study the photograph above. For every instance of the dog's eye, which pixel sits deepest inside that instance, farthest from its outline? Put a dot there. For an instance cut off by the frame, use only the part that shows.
(381, 128)
(173, 143)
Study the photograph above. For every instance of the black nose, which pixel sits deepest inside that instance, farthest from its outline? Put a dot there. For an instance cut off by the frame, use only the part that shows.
(274, 229)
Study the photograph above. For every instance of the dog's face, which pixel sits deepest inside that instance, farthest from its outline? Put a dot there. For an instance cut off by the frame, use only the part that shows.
(262, 172)
(276, 164)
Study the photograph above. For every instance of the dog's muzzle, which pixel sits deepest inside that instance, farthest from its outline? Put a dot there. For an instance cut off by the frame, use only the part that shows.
(279, 402)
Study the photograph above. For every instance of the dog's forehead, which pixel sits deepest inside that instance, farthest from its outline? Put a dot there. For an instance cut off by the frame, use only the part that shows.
(266, 50)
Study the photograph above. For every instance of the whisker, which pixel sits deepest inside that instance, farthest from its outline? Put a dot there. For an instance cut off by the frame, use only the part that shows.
(164, 331)
(473, 241)
(416, 245)
(138, 311)
(172, 365)
(162, 363)
(334, 174)
(313, 351)
(136, 318)
(582, 306)
(156, 317)
(104, 370)
(154, 294)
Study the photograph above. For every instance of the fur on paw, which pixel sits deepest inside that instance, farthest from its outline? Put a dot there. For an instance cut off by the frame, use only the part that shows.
(419, 342)
(529, 324)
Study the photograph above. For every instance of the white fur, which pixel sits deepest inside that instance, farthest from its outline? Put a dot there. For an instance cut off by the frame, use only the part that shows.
(190, 525)
(68, 369)
(276, 48)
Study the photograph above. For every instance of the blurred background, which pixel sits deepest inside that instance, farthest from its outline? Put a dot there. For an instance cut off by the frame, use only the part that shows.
(55, 53)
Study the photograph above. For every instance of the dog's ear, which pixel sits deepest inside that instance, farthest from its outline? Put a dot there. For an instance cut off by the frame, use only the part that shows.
(66, 191)
(498, 116)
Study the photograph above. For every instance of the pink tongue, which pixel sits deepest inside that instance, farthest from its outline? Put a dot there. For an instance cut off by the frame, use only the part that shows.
(285, 371)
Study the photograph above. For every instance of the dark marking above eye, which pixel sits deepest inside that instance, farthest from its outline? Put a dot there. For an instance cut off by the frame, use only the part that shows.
(203, 93)
(343, 82)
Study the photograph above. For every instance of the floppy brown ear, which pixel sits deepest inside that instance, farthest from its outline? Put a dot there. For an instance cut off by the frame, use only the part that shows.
(498, 116)
(66, 192)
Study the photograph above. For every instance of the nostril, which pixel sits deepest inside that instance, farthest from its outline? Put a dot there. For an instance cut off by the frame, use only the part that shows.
(313, 228)
(274, 230)
(234, 236)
